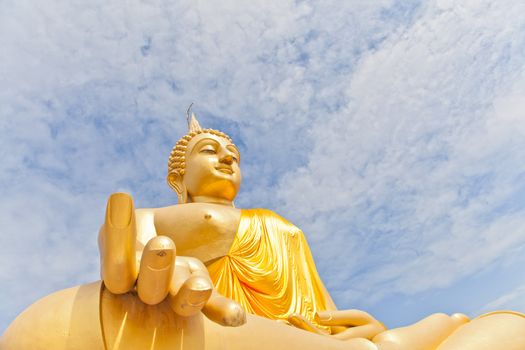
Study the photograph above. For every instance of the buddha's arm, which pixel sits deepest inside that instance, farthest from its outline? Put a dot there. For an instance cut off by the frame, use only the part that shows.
(218, 308)
(128, 239)
(153, 278)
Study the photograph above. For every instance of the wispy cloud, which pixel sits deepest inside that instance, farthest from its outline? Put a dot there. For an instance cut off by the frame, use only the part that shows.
(514, 300)
(420, 175)
(390, 131)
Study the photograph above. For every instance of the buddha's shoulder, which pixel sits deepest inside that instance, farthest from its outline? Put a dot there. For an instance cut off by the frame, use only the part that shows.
(187, 210)
(272, 218)
(263, 213)
(182, 209)
(191, 207)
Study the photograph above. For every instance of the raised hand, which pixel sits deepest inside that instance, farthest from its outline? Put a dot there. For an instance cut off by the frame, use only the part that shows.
(156, 273)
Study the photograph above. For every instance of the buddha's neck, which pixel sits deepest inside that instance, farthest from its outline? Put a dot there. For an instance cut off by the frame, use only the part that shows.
(211, 200)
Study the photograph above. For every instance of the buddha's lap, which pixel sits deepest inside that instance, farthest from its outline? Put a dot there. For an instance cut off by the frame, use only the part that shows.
(87, 316)
(497, 330)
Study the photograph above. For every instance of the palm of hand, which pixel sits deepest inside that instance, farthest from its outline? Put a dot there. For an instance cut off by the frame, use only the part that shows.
(345, 324)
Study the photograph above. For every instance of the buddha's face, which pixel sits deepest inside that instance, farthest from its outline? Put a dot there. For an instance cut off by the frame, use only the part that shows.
(212, 168)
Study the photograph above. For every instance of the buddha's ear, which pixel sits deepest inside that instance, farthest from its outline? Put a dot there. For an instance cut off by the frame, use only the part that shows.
(175, 181)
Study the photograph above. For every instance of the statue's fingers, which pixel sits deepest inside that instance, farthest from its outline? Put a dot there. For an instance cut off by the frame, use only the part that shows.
(300, 321)
(346, 318)
(224, 311)
(367, 331)
(197, 268)
(191, 296)
(156, 270)
(117, 244)
(217, 308)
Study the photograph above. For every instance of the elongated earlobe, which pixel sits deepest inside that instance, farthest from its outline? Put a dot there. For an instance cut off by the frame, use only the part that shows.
(174, 180)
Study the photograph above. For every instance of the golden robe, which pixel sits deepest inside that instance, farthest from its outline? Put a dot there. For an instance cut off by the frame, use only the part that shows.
(269, 269)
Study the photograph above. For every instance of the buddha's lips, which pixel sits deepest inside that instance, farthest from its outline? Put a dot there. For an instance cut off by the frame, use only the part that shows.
(225, 170)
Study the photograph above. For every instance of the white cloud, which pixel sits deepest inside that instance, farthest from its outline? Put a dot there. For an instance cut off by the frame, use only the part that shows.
(93, 97)
(421, 172)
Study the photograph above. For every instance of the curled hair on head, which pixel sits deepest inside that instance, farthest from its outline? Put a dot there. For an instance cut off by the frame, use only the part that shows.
(177, 161)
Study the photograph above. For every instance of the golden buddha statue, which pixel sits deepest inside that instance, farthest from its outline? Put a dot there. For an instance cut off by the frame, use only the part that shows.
(203, 274)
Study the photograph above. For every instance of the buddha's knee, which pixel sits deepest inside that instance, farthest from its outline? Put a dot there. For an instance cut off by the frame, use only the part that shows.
(497, 330)
(73, 319)
(67, 319)
(423, 335)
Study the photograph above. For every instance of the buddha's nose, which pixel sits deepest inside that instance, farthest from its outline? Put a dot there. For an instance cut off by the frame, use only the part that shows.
(227, 159)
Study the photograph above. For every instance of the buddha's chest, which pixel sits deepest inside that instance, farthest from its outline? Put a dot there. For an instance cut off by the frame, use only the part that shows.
(204, 231)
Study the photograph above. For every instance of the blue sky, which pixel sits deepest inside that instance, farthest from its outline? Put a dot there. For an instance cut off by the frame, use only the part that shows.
(391, 132)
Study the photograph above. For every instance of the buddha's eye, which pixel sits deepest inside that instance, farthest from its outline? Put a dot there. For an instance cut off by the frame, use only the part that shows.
(208, 150)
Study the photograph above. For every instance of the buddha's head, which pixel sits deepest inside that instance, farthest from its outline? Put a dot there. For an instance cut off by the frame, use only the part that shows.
(204, 166)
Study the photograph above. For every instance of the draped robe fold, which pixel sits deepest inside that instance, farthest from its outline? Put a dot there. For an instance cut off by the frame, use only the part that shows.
(269, 269)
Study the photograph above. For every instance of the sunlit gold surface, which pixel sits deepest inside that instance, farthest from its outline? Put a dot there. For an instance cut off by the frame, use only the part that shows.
(158, 294)
(183, 281)
(497, 330)
(117, 244)
(269, 269)
(65, 320)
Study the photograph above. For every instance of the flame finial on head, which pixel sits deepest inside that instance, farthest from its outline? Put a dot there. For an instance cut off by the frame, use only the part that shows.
(193, 124)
